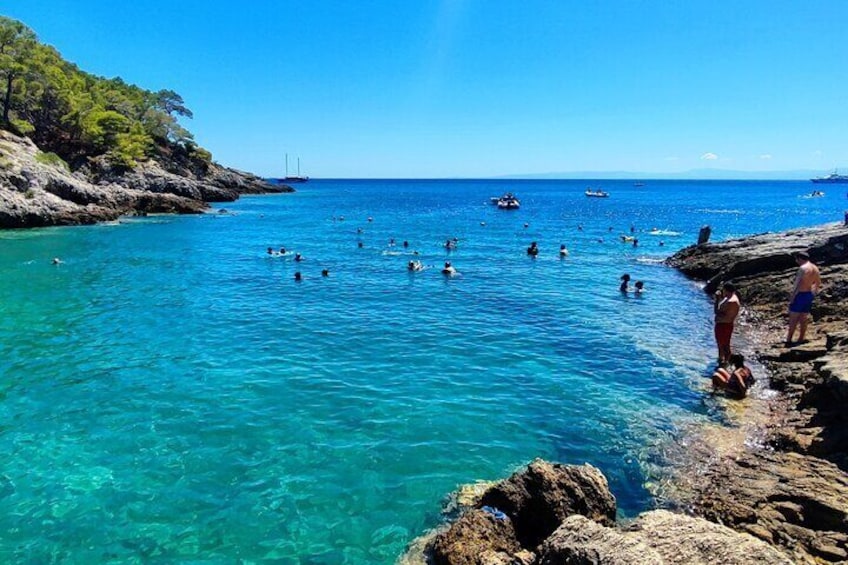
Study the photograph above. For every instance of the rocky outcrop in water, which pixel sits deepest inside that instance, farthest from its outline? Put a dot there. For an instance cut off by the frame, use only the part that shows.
(793, 492)
(37, 189)
(549, 514)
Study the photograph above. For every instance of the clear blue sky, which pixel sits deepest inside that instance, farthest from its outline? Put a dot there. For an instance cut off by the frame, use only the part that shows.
(480, 88)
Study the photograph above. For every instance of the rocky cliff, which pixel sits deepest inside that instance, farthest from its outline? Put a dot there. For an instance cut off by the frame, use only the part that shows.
(38, 189)
(793, 491)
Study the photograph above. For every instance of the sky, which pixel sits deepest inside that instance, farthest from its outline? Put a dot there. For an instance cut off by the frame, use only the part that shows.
(480, 88)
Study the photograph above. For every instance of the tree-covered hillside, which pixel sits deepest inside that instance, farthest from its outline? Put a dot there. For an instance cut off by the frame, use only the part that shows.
(80, 117)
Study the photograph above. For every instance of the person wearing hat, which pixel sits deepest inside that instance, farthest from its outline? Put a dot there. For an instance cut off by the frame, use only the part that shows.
(807, 285)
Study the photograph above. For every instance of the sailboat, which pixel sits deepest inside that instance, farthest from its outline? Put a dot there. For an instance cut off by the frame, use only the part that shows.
(298, 177)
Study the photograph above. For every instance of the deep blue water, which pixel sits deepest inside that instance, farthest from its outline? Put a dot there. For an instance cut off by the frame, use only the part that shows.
(170, 393)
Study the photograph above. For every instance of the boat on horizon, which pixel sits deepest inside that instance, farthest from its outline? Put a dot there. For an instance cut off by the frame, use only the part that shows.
(508, 202)
(832, 178)
(296, 178)
(596, 193)
(638, 184)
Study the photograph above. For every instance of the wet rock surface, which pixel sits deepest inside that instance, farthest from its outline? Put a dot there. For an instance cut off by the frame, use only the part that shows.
(36, 192)
(566, 514)
(793, 491)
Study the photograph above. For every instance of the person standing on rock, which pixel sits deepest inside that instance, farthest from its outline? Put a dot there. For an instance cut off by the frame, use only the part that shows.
(726, 308)
(807, 285)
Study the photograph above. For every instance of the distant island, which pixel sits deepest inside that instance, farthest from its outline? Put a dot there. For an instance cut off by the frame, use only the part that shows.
(76, 148)
(692, 174)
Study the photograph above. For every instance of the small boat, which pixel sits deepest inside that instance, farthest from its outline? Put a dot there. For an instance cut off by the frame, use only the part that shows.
(832, 178)
(508, 202)
(638, 184)
(596, 193)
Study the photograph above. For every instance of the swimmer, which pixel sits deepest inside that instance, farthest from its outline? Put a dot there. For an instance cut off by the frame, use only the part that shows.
(640, 287)
(270, 252)
(449, 269)
(563, 252)
(625, 280)
(298, 257)
(415, 266)
(359, 245)
(635, 242)
(297, 276)
(526, 225)
(632, 229)
(358, 230)
(341, 218)
(579, 227)
(533, 250)
(482, 223)
(405, 244)
(57, 261)
(610, 229)
(449, 244)
(737, 382)
(392, 242)
(325, 272)
(282, 250)
(662, 243)
(370, 219)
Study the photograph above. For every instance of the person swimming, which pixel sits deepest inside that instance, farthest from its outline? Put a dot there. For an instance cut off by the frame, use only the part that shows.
(298, 257)
(415, 266)
(449, 269)
(57, 261)
(639, 287)
(625, 281)
(533, 250)
(270, 252)
(325, 272)
(282, 250)
(563, 252)
(297, 276)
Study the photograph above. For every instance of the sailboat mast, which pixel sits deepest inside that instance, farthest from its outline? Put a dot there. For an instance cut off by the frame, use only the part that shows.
(287, 164)
(298, 167)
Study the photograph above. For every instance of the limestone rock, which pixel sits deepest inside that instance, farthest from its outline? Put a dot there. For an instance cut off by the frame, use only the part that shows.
(35, 191)
(477, 538)
(580, 541)
(541, 496)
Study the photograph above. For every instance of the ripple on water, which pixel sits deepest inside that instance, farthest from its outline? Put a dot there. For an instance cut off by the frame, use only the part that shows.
(170, 393)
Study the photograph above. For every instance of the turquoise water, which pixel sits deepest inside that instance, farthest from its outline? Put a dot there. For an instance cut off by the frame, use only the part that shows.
(170, 393)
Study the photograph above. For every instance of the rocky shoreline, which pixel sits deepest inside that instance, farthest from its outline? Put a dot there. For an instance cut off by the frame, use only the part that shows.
(791, 491)
(780, 499)
(38, 189)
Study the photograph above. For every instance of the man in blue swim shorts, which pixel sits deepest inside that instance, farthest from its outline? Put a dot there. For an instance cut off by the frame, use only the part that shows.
(807, 284)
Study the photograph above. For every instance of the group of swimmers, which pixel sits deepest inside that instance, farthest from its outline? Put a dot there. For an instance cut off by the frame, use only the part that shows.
(638, 286)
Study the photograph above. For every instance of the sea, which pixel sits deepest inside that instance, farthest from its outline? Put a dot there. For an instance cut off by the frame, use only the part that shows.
(169, 392)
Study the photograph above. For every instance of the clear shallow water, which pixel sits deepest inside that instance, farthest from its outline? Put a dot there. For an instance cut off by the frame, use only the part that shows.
(170, 393)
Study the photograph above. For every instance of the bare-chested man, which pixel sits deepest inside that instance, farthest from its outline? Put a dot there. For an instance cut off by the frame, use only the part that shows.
(726, 307)
(807, 285)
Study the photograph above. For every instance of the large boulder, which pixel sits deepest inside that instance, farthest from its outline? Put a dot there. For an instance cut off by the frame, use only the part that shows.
(654, 538)
(580, 541)
(476, 538)
(544, 494)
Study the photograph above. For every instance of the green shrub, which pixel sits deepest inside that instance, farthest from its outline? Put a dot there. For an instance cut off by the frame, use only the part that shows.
(51, 158)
